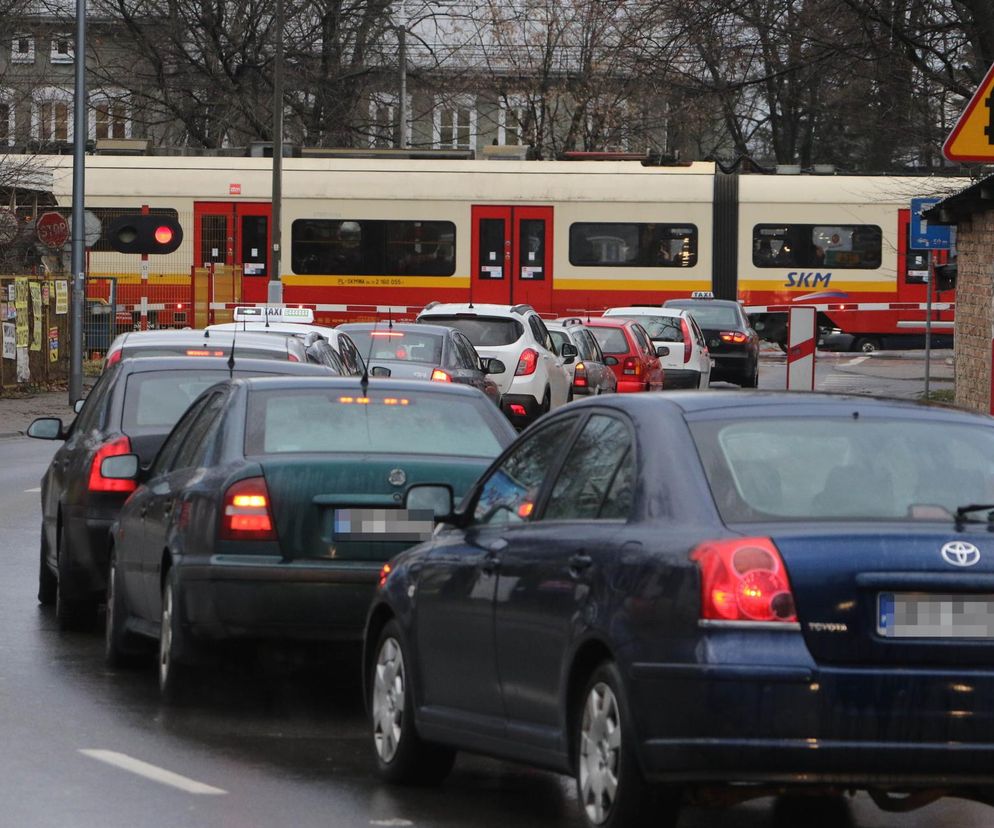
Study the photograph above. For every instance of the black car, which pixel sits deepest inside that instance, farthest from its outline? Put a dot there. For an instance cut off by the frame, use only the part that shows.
(705, 595)
(731, 340)
(425, 352)
(270, 510)
(131, 408)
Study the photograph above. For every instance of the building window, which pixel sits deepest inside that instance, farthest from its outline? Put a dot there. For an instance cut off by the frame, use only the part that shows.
(383, 121)
(52, 115)
(514, 124)
(62, 49)
(455, 124)
(22, 49)
(110, 118)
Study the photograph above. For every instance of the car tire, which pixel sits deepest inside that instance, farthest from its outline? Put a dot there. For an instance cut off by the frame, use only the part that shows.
(48, 581)
(611, 790)
(569, 395)
(120, 646)
(401, 755)
(175, 673)
(751, 380)
(71, 612)
(866, 344)
(546, 406)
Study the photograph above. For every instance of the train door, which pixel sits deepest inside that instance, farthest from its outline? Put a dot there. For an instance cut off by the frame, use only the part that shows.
(238, 235)
(512, 256)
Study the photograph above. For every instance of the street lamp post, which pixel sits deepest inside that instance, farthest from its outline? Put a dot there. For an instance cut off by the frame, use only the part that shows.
(275, 291)
(78, 224)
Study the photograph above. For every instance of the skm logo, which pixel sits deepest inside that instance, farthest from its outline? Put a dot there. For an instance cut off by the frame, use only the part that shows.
(808, 278)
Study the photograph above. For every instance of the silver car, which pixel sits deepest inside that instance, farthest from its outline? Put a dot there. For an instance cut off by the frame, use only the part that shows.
(590, 372)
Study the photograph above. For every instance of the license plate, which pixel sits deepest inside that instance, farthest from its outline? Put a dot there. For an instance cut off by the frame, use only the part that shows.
(921, 615)
(383, 524)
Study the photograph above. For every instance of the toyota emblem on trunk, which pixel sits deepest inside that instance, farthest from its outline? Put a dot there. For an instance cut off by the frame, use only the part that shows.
(960, 553)
(398, 477)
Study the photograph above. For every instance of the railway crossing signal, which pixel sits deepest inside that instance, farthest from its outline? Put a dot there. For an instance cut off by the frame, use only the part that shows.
(972, 139)
(145, 234)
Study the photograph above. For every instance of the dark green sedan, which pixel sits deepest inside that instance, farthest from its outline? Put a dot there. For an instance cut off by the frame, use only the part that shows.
(273, 504)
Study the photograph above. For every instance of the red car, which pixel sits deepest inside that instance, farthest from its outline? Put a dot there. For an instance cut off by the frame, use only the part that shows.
(638, 367)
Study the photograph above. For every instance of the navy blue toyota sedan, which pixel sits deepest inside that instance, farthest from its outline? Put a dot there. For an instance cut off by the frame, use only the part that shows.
(703, 594)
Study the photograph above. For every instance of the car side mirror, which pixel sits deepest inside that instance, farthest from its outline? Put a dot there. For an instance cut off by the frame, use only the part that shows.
(120, 467)
(78, 405)
(431, 497)
(662, 351)
(379, 371)
(569, 352)
(46, 428)
(492, 365)
(610, 360)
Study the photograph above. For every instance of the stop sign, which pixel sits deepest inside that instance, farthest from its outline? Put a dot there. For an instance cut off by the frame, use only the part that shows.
(52, 229)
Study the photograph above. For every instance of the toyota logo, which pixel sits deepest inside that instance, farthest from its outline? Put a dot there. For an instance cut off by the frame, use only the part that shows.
(960, 553)
(397, 477)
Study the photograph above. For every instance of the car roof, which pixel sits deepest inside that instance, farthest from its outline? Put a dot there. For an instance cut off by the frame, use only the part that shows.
(200, 337)
(354, 384)
(644, 310)
(292, 328)
(476, 309)
(407, 327)
(608, 322)
(138, 365)
(693, 303)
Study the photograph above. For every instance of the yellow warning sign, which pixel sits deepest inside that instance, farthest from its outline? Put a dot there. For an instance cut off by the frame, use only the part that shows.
(972, 139)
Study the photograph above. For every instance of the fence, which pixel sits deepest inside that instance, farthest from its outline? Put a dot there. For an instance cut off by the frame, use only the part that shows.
(35, 314)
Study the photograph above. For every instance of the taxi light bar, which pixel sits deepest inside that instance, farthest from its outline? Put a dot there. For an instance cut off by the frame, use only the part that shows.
(245, 515)
(260, 313)
(202, 352)
(743, 579)
(99, 483)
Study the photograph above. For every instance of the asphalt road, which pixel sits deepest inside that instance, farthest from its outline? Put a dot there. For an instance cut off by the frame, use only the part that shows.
(260, 745)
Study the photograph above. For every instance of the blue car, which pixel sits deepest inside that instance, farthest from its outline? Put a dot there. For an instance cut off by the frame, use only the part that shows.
(679, 596)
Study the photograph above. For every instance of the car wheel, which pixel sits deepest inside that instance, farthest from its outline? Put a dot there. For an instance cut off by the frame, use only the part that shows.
(175, 675)
(752, 379)
(401, 755)
(71, 612)
(569, 396)
(610, 787)
(48, 582)
(546, 402)
(866, 344)
(119, 645)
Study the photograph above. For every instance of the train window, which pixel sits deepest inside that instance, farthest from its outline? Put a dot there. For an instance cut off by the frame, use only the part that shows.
(840, 247)
(630, 244)
(531, 255)
(367, 247)
(491, 252)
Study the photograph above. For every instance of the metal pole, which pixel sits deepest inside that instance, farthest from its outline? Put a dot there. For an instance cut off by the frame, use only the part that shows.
(402, 109)
(928, 320)
(275, 293)
(80, 134)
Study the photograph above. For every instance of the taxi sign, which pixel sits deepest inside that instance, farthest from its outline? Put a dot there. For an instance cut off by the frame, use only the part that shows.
(276, 312)
(702, 294)
(972, 139)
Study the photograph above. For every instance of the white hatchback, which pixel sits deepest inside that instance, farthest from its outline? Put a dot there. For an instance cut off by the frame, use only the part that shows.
(685, 367)
(537, 379)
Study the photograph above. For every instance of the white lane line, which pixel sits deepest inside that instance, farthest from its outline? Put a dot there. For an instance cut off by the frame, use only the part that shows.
(391, 822)
(36, 489)
(153, 772)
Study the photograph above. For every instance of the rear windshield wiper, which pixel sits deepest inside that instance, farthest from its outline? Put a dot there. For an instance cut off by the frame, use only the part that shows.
(963, 511)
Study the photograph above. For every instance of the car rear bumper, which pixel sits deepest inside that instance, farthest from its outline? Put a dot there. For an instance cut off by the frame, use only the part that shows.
(792, 723)
(732, 364)
(531, 406)
(84, 569)
(234, 596)
(631, 386)
(681, 378)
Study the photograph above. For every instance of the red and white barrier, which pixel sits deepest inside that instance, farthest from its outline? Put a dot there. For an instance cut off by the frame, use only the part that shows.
(852, 306)
(802, 334)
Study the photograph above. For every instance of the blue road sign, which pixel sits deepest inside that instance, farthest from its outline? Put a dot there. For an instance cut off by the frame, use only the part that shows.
(924, 235)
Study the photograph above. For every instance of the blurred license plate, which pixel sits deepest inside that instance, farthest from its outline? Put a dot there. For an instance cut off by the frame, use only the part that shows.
(383, 524)
(920, 615)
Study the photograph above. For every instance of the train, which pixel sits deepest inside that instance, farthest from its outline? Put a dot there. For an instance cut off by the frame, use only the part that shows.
(366, 237)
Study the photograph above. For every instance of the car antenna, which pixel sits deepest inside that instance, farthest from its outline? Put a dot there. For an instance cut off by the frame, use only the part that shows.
(231, 356)
(364, 382)
(389, 319)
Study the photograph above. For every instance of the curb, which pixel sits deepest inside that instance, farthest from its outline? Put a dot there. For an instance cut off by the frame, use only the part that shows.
(6, 434)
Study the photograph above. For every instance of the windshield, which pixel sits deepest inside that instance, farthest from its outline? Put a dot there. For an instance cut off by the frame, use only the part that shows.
(611, 340)
(715, 316)
(483, 330)
(806, 468)
(201, 350)
(406, 346)
(316, 420)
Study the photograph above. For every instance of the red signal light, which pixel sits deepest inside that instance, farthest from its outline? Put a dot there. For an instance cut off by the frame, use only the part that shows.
(163, 234)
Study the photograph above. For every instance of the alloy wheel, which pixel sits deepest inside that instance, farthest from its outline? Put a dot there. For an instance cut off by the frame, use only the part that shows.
(600, 753)
(389, 688)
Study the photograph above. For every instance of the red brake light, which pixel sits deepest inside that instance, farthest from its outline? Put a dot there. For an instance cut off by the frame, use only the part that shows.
(113, 357)
(203, 352)
(632, 366)
(245, 514)
(685, 330)
(580, 376)
(163, 234)
(438, 375)
(733, 336)
(292, 358)
(527, 363)
(743, 579)
(99, 483)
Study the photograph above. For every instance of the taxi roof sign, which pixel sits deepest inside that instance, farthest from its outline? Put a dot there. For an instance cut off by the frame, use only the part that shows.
(276, 312)
(972, 139)
(702, 294)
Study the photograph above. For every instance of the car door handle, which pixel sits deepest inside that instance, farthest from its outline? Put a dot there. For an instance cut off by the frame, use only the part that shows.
(579, 563)
(490, 564)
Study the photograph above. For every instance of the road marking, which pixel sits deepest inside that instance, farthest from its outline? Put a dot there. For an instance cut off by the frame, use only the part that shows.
(391, 822)
(156, 774)
(36, 489)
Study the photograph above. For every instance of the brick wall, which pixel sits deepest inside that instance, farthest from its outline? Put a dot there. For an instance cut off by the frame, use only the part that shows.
(974, 297)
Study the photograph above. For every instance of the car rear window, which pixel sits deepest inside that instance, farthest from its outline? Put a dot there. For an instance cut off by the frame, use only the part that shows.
(319, 420)
(714, 316)
(611, 340)
(665, 328)
(155, 400)
(483, 330)
(202, 350)
(808, 468)
(407, 346)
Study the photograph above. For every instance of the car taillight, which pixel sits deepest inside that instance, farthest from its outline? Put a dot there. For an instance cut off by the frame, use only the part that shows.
(733, 336)
(99, 483)
(293, 358)
(580, 376)
(527, 363)
(203, 352)
(438, 375)
(113, 357)
(743, 579)
(245, 515)
(685, 330)
(385, 571)
(632, 366)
